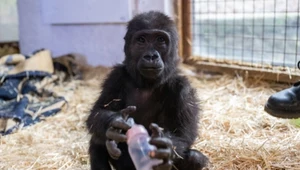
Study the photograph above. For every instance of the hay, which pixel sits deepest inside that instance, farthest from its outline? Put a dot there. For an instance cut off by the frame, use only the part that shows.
(235, 132)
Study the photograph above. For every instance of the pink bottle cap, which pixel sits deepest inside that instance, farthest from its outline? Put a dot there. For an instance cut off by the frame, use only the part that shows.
(134, 130)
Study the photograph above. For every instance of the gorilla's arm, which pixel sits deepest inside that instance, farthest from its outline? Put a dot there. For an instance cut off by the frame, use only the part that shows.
(183, 116)
(107, 106)
(187, 119)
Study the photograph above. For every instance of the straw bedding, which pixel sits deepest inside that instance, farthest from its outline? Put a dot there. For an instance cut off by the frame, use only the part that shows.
(234, 132)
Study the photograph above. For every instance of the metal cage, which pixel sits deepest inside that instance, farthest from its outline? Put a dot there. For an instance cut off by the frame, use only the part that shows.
(248, 37)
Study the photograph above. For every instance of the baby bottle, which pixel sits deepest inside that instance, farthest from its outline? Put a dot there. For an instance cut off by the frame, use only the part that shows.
(139, 148)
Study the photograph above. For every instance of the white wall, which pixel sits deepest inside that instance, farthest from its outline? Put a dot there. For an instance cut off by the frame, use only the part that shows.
(94, 29)
(8, 21)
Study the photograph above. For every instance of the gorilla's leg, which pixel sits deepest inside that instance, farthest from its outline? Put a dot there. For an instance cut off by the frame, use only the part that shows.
(99, 157)
(193, 160)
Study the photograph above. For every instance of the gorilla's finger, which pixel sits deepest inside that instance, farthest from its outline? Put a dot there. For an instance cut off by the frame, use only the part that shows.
(156, 130)
(120, 124)
(127, 111)
(112, 149)
(130, 121)
(161, 154)
(165, 166)
(112, 134)
(161, 142)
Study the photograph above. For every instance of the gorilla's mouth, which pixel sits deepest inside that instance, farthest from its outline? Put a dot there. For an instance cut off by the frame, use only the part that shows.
(152, 68)
(151, 72)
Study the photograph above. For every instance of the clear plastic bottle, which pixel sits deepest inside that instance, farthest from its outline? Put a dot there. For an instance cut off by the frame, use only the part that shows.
(139, 148)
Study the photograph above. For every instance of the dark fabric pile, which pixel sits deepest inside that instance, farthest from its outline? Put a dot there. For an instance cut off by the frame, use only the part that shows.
(25, 88)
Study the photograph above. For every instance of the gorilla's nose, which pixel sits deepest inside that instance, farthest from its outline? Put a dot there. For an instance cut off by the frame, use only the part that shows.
(151, 56)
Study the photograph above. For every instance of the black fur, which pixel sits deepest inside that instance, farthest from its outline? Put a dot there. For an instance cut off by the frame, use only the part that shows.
(168, 101)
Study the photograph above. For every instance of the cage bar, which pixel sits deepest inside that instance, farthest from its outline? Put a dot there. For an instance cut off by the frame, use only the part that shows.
(259, 36)
(186, 29)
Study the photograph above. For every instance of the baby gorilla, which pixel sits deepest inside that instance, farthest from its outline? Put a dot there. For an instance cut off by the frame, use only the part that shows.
(146, 87)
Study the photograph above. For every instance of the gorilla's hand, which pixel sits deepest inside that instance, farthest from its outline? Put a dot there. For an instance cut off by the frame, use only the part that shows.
(164, 148)
(116, 131)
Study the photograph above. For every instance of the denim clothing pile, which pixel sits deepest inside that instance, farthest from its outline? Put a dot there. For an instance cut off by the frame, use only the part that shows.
(25, 94)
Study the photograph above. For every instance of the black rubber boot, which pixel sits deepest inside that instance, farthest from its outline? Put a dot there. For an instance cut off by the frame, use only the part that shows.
(285, 103)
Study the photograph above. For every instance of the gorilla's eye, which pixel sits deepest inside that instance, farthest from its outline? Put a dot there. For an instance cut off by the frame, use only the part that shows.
(141, 39)
(161, 39)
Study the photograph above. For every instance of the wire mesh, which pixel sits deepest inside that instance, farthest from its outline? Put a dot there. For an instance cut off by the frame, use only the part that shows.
(252, 31)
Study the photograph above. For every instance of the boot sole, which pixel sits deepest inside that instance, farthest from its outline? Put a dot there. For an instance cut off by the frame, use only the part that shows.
(286, 114)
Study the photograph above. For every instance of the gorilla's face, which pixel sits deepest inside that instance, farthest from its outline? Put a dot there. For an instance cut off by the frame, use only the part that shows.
(149, 49)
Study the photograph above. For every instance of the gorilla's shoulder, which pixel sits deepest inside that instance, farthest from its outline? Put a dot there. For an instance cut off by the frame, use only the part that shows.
(118, 70)
(117, 74)
(179, 82)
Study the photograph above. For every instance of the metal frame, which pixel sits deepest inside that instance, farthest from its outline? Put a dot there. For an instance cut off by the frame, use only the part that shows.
(267, 72)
